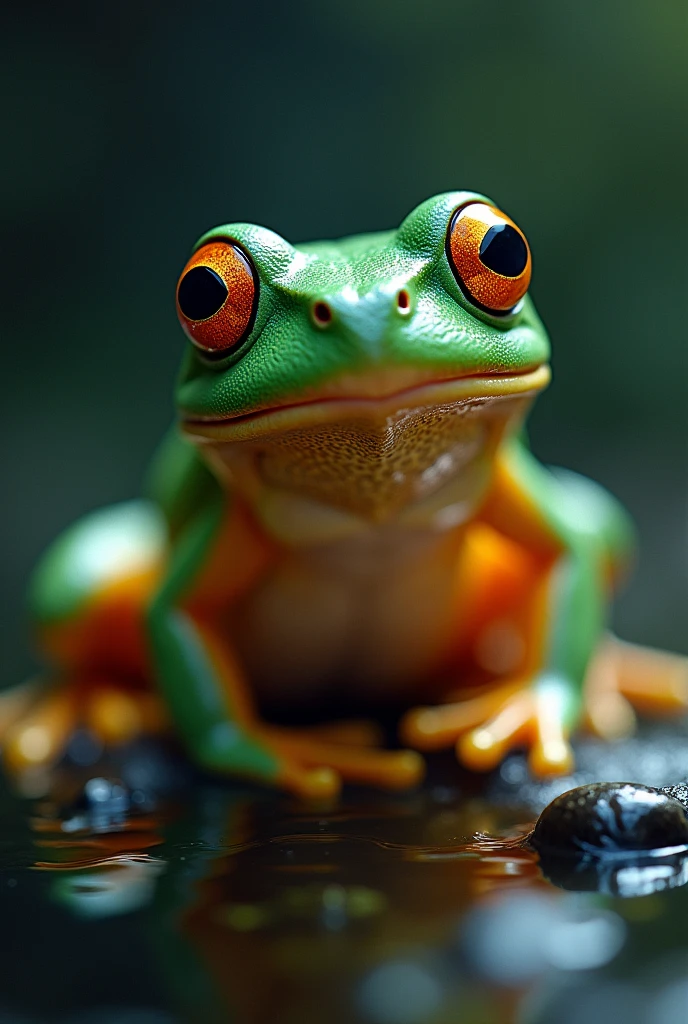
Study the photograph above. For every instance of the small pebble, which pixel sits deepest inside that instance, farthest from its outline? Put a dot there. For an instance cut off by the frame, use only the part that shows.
(611, 817)
(103, 804)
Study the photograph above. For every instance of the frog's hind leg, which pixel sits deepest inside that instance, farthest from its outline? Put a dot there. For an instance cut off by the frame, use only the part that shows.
(86, 601)
(655, 682)
(624, 678)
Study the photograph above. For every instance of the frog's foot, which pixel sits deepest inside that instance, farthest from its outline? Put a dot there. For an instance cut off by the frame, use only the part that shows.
(486, 727)
(309, 763)
(623, 677)
(309, 756)
(35, 726)
(36, 723)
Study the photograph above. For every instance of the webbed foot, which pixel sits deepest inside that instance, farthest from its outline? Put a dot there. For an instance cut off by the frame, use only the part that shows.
(312, 763)
(624, 678)
(540, 714)
(38, 721)
(486, 727)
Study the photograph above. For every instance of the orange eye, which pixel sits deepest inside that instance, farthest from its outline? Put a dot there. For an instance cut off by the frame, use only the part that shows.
(489, 256)
(217, 297)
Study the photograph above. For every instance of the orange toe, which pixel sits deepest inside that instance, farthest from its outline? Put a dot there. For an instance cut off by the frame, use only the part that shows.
(42, 734)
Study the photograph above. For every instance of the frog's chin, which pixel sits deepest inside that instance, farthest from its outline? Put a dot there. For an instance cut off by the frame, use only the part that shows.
(370, 397)
(338, 465)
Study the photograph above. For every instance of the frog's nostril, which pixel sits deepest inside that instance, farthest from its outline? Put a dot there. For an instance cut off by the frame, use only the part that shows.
(404, 301)
(322, 314)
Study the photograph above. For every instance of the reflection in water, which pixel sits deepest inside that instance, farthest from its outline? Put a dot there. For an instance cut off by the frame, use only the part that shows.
(628, 877)
(518, 937)
(400, 992)
(381, 910)
(117, 886)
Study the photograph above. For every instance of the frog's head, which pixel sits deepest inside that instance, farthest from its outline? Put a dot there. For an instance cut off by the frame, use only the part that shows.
(372, 377)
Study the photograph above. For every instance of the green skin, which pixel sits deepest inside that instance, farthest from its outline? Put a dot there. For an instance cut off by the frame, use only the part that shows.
(284, 356)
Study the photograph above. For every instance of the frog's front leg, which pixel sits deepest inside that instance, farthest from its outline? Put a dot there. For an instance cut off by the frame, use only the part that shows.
(209, 699)
(580, 539)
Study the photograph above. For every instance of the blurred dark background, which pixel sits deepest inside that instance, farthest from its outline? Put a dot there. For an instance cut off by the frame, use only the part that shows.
(133, 127)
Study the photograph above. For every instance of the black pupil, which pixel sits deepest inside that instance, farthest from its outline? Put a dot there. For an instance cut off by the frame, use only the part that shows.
(504, 251)
(201, 293)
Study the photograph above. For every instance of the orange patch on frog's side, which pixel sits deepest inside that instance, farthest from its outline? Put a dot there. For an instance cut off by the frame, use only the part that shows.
(495, 582)
(107, 634)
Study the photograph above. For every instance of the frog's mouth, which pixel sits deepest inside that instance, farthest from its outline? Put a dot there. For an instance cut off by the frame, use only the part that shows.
(369, 397)
(375, 449)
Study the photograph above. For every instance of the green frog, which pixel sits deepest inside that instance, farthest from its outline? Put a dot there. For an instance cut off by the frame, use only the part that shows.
(347, 525)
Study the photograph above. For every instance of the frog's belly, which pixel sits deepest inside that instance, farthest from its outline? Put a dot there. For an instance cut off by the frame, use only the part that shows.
(360, 623)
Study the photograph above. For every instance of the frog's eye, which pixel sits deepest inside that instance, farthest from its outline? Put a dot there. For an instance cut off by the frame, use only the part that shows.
(217, 296)
(489, 256)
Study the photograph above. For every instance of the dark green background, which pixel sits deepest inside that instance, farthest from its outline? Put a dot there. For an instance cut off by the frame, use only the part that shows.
(133, 127)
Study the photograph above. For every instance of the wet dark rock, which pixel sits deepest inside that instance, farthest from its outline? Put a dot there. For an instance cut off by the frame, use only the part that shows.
(102, 804)
(106, 795)
(611, 817)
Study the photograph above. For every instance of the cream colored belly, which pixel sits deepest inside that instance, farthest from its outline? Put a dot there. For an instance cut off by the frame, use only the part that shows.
(372, 619)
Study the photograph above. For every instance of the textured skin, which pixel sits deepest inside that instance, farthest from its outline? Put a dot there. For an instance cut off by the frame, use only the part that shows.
(350, 516)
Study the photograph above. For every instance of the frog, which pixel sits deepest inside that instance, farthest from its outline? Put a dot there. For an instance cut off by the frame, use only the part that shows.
(346, 525)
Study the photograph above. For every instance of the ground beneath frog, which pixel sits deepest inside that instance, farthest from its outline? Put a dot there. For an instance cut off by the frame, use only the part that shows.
(139, 892)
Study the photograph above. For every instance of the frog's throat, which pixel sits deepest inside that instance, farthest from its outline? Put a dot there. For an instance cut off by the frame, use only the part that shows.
(322, 471)
(334, 405)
